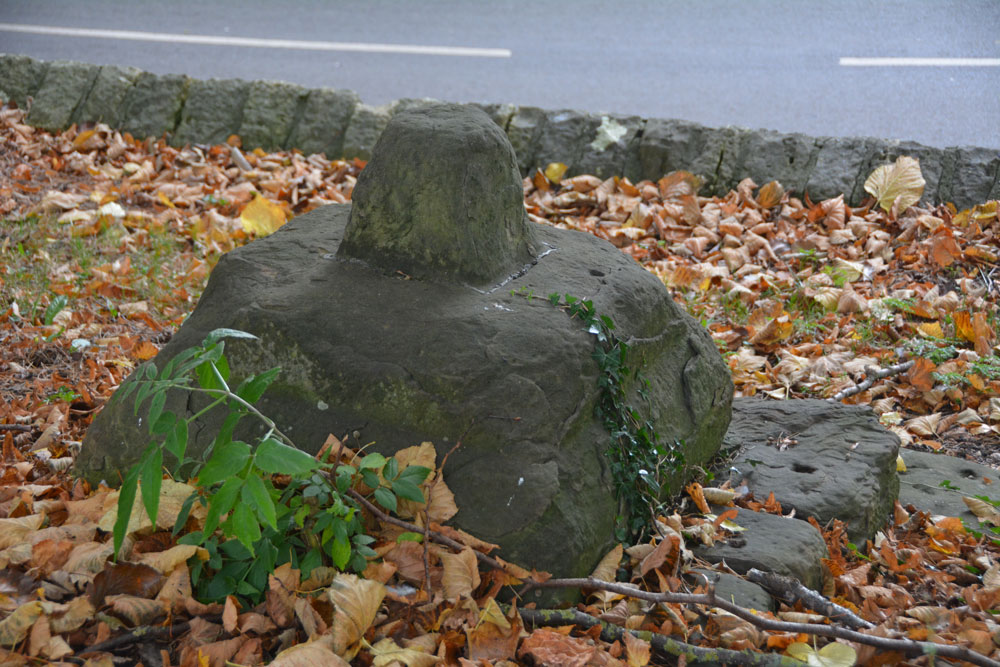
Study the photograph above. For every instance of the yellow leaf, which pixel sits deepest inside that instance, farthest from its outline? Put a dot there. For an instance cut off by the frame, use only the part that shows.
(262, 217)
(491, 613)
(833, 654)
(931, 329)
(983, 510)
(14, 628)
(357, 601)
(718, 496)
(13, 531)
(554, 171)
(637, 650)
(900, 183)
(900, 464)
(164, 199)
(387, 652)
(608, 567)
(317, 652)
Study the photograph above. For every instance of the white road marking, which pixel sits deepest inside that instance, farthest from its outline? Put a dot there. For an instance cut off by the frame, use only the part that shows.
(213, 40)
(920, 62)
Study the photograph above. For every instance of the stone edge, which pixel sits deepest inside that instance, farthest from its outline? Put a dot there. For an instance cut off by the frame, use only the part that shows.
(281, 115)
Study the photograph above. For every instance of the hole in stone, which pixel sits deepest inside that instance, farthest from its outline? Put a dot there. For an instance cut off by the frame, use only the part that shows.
(595, 272)
(799, 467)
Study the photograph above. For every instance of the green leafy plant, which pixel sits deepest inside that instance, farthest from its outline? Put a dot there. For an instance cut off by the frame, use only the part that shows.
(638, 460)
(62, 395)
(252, 524)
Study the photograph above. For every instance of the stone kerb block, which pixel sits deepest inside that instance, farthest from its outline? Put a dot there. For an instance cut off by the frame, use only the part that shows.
(672, 145)
(323, 123)
(213, 110)
(20, 77)
(103, 102)
(839, 168)
(775, 156)
(974, 177)
(152, 106)
(500, 113)
(65, 85)
(363, 131)
(406, 349)
(524, 132)
(270, 114)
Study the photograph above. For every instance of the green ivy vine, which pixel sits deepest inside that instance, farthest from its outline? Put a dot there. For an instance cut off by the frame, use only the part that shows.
(637, 458)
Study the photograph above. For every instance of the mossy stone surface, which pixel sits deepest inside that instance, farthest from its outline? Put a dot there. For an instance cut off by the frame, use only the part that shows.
(441, 199)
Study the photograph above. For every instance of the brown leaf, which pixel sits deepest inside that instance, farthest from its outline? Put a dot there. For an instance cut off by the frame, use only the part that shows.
(230, 612)
(770, 194)
(694, 490)
(677, 184)
(461, 573)
(495, 636)
(356, 601)
(920, 374)
(944, 250)
(550, 649)
(125, 579)
(658, 556)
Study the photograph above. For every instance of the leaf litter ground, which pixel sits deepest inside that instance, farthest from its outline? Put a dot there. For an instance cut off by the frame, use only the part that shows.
(107, 243)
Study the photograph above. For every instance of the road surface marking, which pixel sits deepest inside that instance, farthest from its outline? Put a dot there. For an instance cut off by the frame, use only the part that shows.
(362, 47)
(920, 62)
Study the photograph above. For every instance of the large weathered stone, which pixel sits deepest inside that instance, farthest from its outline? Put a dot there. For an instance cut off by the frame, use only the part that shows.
(772, 543)
(936, 483)
(406, 360)
(822, 459)
(467, 222)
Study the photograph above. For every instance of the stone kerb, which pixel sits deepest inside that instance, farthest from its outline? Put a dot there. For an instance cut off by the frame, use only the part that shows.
(279, 115)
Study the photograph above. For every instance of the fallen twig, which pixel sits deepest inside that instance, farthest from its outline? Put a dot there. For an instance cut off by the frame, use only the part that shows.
(871, 374)
(15, 427)
(437, 537)
(792, 591)
(661, 643)
(905, 646)
(130, 637)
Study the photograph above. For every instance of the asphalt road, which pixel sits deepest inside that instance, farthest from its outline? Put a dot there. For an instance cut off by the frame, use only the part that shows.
(759, 64)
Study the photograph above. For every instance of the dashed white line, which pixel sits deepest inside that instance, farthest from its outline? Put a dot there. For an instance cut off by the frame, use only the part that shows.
(255, 42)
(920, 62)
